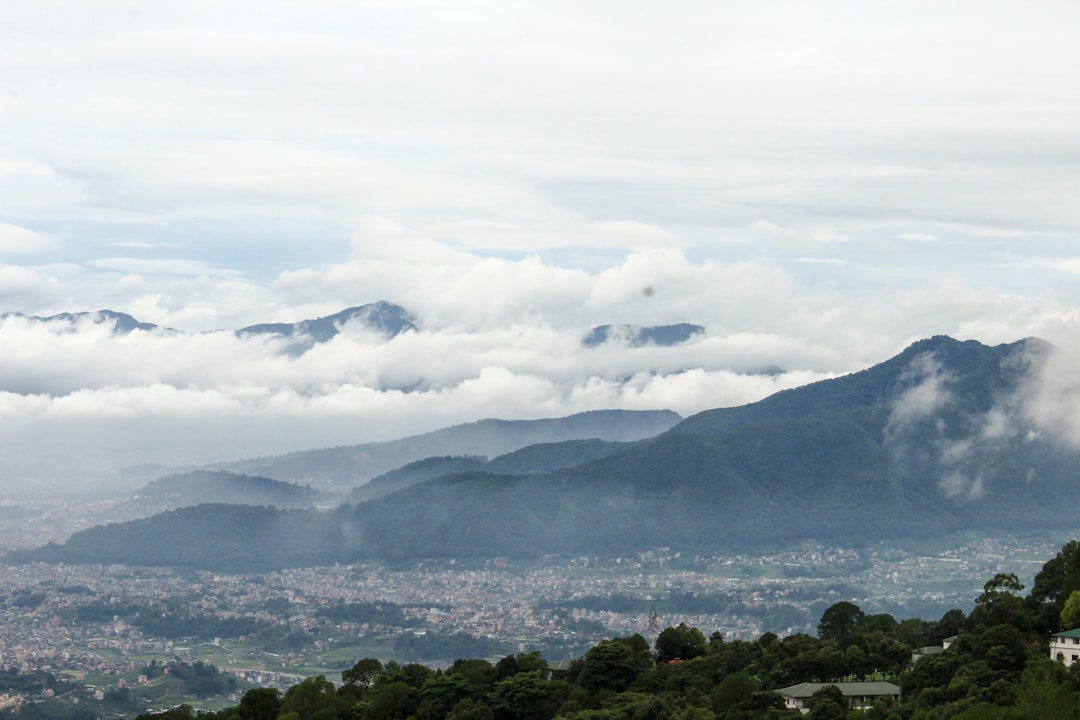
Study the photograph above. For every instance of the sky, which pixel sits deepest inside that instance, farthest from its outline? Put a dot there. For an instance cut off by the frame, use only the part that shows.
(817, 184)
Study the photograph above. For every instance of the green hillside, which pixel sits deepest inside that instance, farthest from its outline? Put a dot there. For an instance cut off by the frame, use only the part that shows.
(902, 450)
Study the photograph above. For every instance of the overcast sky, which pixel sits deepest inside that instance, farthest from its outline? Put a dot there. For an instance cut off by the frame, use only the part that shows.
(818, 184)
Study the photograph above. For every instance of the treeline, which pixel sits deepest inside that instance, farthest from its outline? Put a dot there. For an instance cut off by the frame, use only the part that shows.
(775, 614)
(997, 667)
(360, 613)
(167, 620)
(200, 679)
(446, 646)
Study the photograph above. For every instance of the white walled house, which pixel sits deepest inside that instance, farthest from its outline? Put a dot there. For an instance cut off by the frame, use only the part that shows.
(1065, 647)
(859, 695)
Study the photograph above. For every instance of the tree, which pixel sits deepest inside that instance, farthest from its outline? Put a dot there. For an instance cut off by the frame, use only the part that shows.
(612, 665)
(441, 694)
(949, 625)
(522, 662)
(682, 642)
(394, 700)
(528, 696)
(469, 709)
(828, 703)
(479, 673)
(260, 704)
(998, 604)
(1070, 614)
(362, 673)
(840, 619)
(736, 689)
(1059, 577)
(312, 699)
(883, 623)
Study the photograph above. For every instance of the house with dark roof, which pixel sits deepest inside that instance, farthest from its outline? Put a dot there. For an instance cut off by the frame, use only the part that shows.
(1065, 647)
(919, 653)
(860, 695)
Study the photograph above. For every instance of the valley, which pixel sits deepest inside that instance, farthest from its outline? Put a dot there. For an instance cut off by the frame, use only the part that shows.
(85, 620)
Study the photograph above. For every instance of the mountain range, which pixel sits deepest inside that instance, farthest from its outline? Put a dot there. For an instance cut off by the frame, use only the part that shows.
(381, 317)
(122, 322)
(928, 443)
(346, 466)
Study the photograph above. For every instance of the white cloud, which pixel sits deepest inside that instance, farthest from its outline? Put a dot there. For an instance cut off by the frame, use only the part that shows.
(498, 338)
(159, 267)
(19, 240)
(818, 186)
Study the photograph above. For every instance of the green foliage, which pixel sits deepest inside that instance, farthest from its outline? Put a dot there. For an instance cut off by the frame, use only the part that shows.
(613, 665)
(828, 703)
(682, 643)
(198, 679)
(999, 604)
(528, 696)
(997, 668)
(1070, 613)
(470, 709)
(259, 704)
(1059, 577)
(362, 672)
(181, 712)
(356, 612)
(446, 646)
(839, 620)
(313, 698)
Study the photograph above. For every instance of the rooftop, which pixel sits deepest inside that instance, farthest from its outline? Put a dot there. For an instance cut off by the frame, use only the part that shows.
(848, 689)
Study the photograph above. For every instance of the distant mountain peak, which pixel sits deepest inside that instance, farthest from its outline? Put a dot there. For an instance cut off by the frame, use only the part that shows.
(386, 318)
(122, 322)
(636, 336)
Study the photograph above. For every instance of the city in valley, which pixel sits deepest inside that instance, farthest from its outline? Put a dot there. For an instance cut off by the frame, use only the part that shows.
(100, 627)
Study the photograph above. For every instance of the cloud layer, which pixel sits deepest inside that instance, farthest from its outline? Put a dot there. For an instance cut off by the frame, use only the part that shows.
(497, 338)
(817, 185)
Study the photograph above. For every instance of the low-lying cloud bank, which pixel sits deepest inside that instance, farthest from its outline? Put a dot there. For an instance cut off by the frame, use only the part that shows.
(497, 338)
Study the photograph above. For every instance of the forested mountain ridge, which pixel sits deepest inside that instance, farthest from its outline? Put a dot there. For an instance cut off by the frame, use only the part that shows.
(347, 466)
(912, 448)
(976, 376)
(529, 460)
(218, 486)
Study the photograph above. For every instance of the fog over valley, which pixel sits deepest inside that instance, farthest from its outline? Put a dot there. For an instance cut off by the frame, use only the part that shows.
(814, 187)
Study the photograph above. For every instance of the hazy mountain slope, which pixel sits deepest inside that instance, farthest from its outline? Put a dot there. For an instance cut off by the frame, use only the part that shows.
(914, 447)
(978, 375)
(549, 457)
(207, 486)
(238, 538)
(345, 467)
(413, 473)
(533, 459)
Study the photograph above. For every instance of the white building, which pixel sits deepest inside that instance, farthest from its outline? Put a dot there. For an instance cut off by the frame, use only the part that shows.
(1065, 647)
(859, 695)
